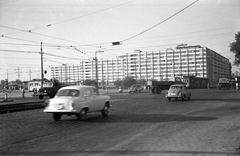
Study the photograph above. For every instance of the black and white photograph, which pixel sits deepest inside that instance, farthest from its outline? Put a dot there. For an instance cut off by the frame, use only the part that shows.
(119, 78)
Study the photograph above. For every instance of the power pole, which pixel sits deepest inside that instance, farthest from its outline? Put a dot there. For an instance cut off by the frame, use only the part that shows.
(96, 66)
(42, 76)
(30, 73)
(18, 72)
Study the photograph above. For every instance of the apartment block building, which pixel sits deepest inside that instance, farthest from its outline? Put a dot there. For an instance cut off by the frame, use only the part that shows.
(181, 61)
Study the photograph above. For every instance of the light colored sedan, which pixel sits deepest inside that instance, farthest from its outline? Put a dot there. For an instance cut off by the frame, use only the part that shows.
(178, 91)
(77, 100)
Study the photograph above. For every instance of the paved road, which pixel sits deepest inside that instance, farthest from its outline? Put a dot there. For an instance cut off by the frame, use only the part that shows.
(138, 124)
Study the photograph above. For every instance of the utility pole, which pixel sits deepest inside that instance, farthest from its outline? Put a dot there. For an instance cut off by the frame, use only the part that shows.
(96, 65)
(29, 73)
(41, 66)
(18, 72)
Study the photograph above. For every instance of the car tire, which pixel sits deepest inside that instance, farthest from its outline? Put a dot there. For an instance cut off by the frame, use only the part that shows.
(189, 98)
(105, 110)
(158, 90)
(57, 116)
(40, 96)
(82, 115)
(183, 97)
(169, 99)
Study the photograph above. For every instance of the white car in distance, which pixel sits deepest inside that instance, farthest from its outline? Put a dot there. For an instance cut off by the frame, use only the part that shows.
(77, 100)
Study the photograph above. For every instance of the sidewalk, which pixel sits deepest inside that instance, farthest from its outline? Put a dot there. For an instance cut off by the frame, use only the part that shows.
(16, 98)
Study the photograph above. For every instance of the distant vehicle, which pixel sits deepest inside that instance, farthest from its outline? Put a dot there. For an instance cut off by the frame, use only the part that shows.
(196, 82)
(77, 100)
(158, 86)
(47, 91)
(224, 83)
(120, 90)
(178, 91)
(135, 88)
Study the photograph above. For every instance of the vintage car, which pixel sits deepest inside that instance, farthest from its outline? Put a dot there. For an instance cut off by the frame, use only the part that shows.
(47, 91)
(178, 91)
(77, 100)
(137, 88)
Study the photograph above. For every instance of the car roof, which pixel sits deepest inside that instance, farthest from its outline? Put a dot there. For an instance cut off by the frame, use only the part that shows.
(77, 87)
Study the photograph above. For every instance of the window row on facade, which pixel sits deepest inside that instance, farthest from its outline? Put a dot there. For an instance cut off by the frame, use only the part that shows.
(193, 60)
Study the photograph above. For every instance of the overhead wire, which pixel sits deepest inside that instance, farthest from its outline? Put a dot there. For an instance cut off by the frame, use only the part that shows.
(48, 25)
(159, 22)
(18, 51)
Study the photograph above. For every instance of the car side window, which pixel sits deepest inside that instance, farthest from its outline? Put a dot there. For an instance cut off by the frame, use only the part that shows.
(87, 92)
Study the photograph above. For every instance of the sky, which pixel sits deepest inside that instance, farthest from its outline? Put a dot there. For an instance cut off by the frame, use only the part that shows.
(69, 31)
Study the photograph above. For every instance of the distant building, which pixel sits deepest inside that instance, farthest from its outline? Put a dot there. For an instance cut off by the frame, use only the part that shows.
(37, 84)
(158, 65)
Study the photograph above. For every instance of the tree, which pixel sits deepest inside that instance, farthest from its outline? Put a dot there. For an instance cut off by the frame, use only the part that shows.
(89, 82)
(142, 82)
(128, 81)
(235, 48)
(118, 83)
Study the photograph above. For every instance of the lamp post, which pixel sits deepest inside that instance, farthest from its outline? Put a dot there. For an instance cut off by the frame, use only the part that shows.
(96, 66)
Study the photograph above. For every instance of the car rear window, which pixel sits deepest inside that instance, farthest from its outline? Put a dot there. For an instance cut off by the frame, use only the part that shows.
(68, 92)
(176, 87)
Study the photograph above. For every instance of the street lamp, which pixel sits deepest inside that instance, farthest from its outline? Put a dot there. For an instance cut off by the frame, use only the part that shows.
(96, 65)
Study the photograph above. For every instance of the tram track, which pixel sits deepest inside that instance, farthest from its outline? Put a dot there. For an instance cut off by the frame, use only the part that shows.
(10, 108)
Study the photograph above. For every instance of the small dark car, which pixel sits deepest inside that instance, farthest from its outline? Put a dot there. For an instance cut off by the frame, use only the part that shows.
(135, 88)
(47, 91)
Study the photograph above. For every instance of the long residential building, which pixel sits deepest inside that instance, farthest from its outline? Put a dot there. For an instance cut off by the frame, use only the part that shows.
(150, 65)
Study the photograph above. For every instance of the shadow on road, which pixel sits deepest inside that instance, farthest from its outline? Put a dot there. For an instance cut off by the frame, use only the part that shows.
(216, 99)
(148, 118)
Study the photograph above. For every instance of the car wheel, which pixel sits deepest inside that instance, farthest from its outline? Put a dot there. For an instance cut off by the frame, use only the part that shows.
(105, 110)
(183, 97)
(40, 96)
(189, 98)
(82, 114)
(57, 116)
(169, 99)
(158, 90)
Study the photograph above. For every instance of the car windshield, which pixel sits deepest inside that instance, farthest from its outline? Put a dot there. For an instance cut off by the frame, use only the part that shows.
(176, 87)
(68, 92)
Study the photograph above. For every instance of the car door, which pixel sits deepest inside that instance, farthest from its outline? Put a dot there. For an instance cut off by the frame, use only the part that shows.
(99, 101)
(90, 99)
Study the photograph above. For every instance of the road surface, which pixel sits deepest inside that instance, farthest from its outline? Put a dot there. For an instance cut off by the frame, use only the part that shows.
(138, 124)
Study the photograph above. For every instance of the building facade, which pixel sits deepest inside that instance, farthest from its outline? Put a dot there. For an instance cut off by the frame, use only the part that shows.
(158, 65)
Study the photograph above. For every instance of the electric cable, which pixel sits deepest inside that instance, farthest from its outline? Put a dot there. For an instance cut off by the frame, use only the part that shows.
(159, 22)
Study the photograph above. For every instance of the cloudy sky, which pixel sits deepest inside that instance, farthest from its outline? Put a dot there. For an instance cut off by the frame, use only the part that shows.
(73, 30)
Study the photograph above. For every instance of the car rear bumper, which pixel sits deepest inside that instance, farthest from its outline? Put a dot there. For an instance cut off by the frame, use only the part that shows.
(173, 96)
(59, 111)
